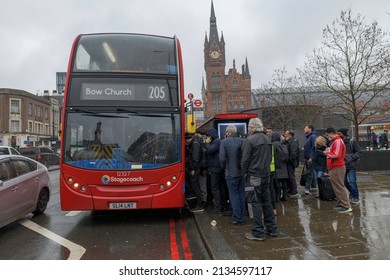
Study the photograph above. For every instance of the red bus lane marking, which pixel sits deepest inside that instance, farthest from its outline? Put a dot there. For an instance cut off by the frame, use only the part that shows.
(172, 234)
(184, 241)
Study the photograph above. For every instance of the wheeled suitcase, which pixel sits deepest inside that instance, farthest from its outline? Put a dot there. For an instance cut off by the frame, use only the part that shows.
(325, 189)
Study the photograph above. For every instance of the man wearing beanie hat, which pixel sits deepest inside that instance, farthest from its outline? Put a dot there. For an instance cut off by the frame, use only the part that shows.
(351, 159)
(343, 130)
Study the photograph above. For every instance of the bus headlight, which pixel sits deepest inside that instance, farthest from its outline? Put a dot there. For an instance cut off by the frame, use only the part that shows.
(162, 187)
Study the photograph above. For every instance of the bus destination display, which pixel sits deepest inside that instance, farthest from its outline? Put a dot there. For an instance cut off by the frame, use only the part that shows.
(125, 92)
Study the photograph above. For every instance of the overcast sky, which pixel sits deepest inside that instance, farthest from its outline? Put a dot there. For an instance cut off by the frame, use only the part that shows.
(36, 36)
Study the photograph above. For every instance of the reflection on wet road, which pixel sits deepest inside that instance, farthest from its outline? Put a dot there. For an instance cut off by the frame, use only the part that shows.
(312, 229)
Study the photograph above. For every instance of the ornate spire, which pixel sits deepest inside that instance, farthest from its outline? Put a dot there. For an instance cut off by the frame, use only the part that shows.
(246, 67)
(213, 26)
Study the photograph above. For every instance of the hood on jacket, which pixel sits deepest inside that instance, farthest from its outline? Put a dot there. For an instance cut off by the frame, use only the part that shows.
(275, 136)
(212, 132)
(314, 132)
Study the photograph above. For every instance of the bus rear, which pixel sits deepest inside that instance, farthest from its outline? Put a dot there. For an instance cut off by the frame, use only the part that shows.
(123, 124)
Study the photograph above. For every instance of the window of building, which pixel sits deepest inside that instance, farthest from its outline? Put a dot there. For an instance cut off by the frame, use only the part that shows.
(235, 107)
(216, 81)
(15, 106)
(46, 113)
(38, 111)
(30, 127)
(235, 85)
(15, 126)
(242, 107)
(30, 109)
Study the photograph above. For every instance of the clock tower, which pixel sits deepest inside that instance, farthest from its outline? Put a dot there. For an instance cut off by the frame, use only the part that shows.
(223, 93)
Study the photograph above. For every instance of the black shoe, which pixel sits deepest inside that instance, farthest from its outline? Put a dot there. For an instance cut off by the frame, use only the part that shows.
(236, 223)
(227, 213)
(283, 198)
(273, 234)
(294, 194)
(197, 209)
(217, 211)
(250, 236)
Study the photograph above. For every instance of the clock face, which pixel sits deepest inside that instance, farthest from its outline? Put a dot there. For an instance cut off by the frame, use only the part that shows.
(214, 54)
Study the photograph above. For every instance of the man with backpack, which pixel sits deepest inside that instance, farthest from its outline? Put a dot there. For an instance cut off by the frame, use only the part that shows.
(351, 159)
(293, 162)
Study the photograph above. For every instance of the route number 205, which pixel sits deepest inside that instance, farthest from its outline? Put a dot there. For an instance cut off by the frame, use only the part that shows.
(156, 92)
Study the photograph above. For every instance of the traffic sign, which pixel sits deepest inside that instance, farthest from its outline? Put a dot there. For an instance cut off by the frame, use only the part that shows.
(190, 96)
(198, 102)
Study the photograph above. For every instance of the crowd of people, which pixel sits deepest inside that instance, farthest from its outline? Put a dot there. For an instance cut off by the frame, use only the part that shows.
(380, 141)
(258, 169)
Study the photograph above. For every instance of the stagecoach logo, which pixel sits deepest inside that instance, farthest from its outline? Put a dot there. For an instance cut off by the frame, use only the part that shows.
(107, 179)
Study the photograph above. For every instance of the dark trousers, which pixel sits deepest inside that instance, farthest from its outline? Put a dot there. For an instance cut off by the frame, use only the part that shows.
(311, 182)
(292, 181)
(263, 214)
(272, 185)
(236, 189)
(218, 188)
(195, 186)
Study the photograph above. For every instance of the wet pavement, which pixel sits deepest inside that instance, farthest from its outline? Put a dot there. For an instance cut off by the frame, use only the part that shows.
(311, 229)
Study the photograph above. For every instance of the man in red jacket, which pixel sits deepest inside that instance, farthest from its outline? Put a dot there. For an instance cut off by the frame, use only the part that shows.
(336, 165)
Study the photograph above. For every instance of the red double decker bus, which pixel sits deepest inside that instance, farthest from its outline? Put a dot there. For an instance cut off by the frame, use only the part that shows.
(123, 124)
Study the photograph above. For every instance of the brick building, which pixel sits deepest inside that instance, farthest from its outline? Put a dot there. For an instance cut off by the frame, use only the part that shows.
(222, 92)
(27, 119)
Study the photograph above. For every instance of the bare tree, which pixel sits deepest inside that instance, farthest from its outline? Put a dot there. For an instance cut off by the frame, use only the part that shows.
(289, 100)
(353, 64)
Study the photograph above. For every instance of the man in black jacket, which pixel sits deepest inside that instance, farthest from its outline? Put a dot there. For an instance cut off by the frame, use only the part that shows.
(194, 160)
(293, 162)
(255, 166)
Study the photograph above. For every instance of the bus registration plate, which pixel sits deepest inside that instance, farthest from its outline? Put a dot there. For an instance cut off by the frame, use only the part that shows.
(123, 205)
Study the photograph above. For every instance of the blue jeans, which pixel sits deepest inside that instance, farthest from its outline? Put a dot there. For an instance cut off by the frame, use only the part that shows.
(351, 184)
(262, 207)
(318, 174)
(236, 189)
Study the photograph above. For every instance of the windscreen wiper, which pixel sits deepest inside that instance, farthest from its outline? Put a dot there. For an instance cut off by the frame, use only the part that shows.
(141, 114)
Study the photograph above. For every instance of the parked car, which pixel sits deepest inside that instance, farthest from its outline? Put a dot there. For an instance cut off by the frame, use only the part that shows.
(25, 187)
(43, 154)
(7, 150)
